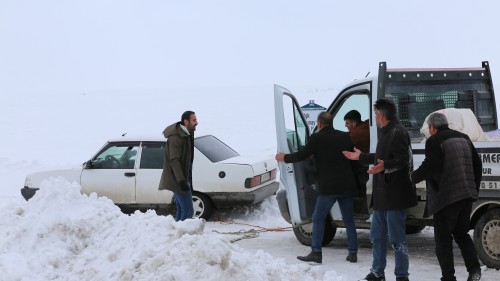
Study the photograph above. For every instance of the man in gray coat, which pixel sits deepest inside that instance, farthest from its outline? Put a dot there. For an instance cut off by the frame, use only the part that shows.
(452, 169)
(178, 164)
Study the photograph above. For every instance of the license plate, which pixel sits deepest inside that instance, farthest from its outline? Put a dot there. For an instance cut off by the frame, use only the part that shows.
(265, 177)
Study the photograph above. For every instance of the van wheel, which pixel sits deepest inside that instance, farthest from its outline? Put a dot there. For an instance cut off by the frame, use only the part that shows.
(304, 233)
(202, 206)
(487, 238)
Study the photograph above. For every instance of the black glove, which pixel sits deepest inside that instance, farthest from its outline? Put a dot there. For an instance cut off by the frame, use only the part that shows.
(184, 186)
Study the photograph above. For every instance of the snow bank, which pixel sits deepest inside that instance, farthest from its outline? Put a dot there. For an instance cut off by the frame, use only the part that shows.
(61, 234)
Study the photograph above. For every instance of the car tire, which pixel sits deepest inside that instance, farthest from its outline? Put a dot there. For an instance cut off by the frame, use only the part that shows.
(487, 237)
(202, 206)
(303, 233)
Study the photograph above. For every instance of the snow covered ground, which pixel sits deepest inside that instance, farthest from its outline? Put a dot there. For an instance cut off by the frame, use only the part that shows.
(63, 235)
(172, 56)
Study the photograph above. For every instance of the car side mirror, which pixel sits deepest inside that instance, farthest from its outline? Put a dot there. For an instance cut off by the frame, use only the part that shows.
(88, 164)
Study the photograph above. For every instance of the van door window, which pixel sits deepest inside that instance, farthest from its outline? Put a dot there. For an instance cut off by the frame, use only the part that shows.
(357, 101)
(297, 130)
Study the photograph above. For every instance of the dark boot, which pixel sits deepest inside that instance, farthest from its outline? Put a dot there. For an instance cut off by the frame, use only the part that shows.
(352, 257)
(316, 257)
(474, 276)
(372, 277)
(402, 279)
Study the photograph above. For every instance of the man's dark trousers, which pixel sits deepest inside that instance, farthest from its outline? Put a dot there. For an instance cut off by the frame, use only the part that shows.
(452, 222)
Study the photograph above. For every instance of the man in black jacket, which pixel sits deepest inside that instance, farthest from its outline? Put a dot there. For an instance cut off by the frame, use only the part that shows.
(392, 191)
(337, 183)
(452, 170)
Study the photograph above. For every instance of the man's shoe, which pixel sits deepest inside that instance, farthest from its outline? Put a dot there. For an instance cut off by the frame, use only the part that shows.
(402, 279)
(352, 258)
(474, 277)
(316, 257)
(372, 277)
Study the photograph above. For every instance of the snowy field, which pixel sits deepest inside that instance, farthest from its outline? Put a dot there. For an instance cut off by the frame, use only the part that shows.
(74, 74)
(63, 235)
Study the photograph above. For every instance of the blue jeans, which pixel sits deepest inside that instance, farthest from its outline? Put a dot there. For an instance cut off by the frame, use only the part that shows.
(183, 205)
(323, 205)
(389, 226)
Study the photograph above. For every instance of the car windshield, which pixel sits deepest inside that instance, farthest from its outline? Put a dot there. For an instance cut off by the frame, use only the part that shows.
(214, 149)
(116, 156)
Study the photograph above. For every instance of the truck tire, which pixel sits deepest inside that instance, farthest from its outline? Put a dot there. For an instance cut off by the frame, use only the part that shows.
(487, 238)
(303, 233)
(202, 206)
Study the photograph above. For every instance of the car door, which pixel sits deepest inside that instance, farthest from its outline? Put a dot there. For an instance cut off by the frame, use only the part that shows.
(149, 174)
(112, 172)
(292, 133)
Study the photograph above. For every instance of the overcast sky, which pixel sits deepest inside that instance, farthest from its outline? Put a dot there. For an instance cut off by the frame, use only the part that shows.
(124, 44)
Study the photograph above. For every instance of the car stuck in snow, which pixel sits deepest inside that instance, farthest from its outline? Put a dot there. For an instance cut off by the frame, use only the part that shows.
(128, 170)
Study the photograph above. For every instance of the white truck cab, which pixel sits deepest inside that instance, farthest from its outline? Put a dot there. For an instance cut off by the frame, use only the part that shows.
(416, 93)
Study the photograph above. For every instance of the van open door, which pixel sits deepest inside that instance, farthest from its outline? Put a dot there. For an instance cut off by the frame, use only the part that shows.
(292, 133)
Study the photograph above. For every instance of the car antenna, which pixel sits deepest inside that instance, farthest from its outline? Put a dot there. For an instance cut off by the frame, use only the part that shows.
(367, 74)
(124, 134)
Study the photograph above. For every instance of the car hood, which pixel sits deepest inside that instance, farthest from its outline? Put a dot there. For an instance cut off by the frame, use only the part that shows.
(259, 165)
(34, 179)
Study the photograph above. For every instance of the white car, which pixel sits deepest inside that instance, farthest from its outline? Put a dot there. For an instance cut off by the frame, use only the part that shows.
(128, 171)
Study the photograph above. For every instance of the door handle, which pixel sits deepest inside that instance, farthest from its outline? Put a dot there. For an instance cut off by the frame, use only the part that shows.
(129, 174)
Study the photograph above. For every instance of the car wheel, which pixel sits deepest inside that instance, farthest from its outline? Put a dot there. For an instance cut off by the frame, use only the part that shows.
(487, 238)
(414, 229)
(202, 206)
(303, 233)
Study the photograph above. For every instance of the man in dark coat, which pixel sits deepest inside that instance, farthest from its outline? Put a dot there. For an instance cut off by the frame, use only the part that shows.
(178, 164)
(392, 191)
(336, 183)
(452, 169)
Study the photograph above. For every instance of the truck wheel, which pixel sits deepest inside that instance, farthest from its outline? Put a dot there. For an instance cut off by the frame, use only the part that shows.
(304, 233)
(202, 205)
(414, 229)
(487, 238)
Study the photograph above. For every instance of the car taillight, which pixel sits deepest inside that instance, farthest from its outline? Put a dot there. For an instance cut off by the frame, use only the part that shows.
(252, 182)
(257, 180)
(273, 174)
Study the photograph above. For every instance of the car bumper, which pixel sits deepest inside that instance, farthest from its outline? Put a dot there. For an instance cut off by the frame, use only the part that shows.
(28, 192)
(235, 199)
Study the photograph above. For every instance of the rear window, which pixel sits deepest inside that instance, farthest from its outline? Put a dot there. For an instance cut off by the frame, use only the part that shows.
(214, 149)
(415, 100)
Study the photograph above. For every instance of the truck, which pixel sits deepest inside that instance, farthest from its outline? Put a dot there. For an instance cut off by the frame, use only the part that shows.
(416, 92)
